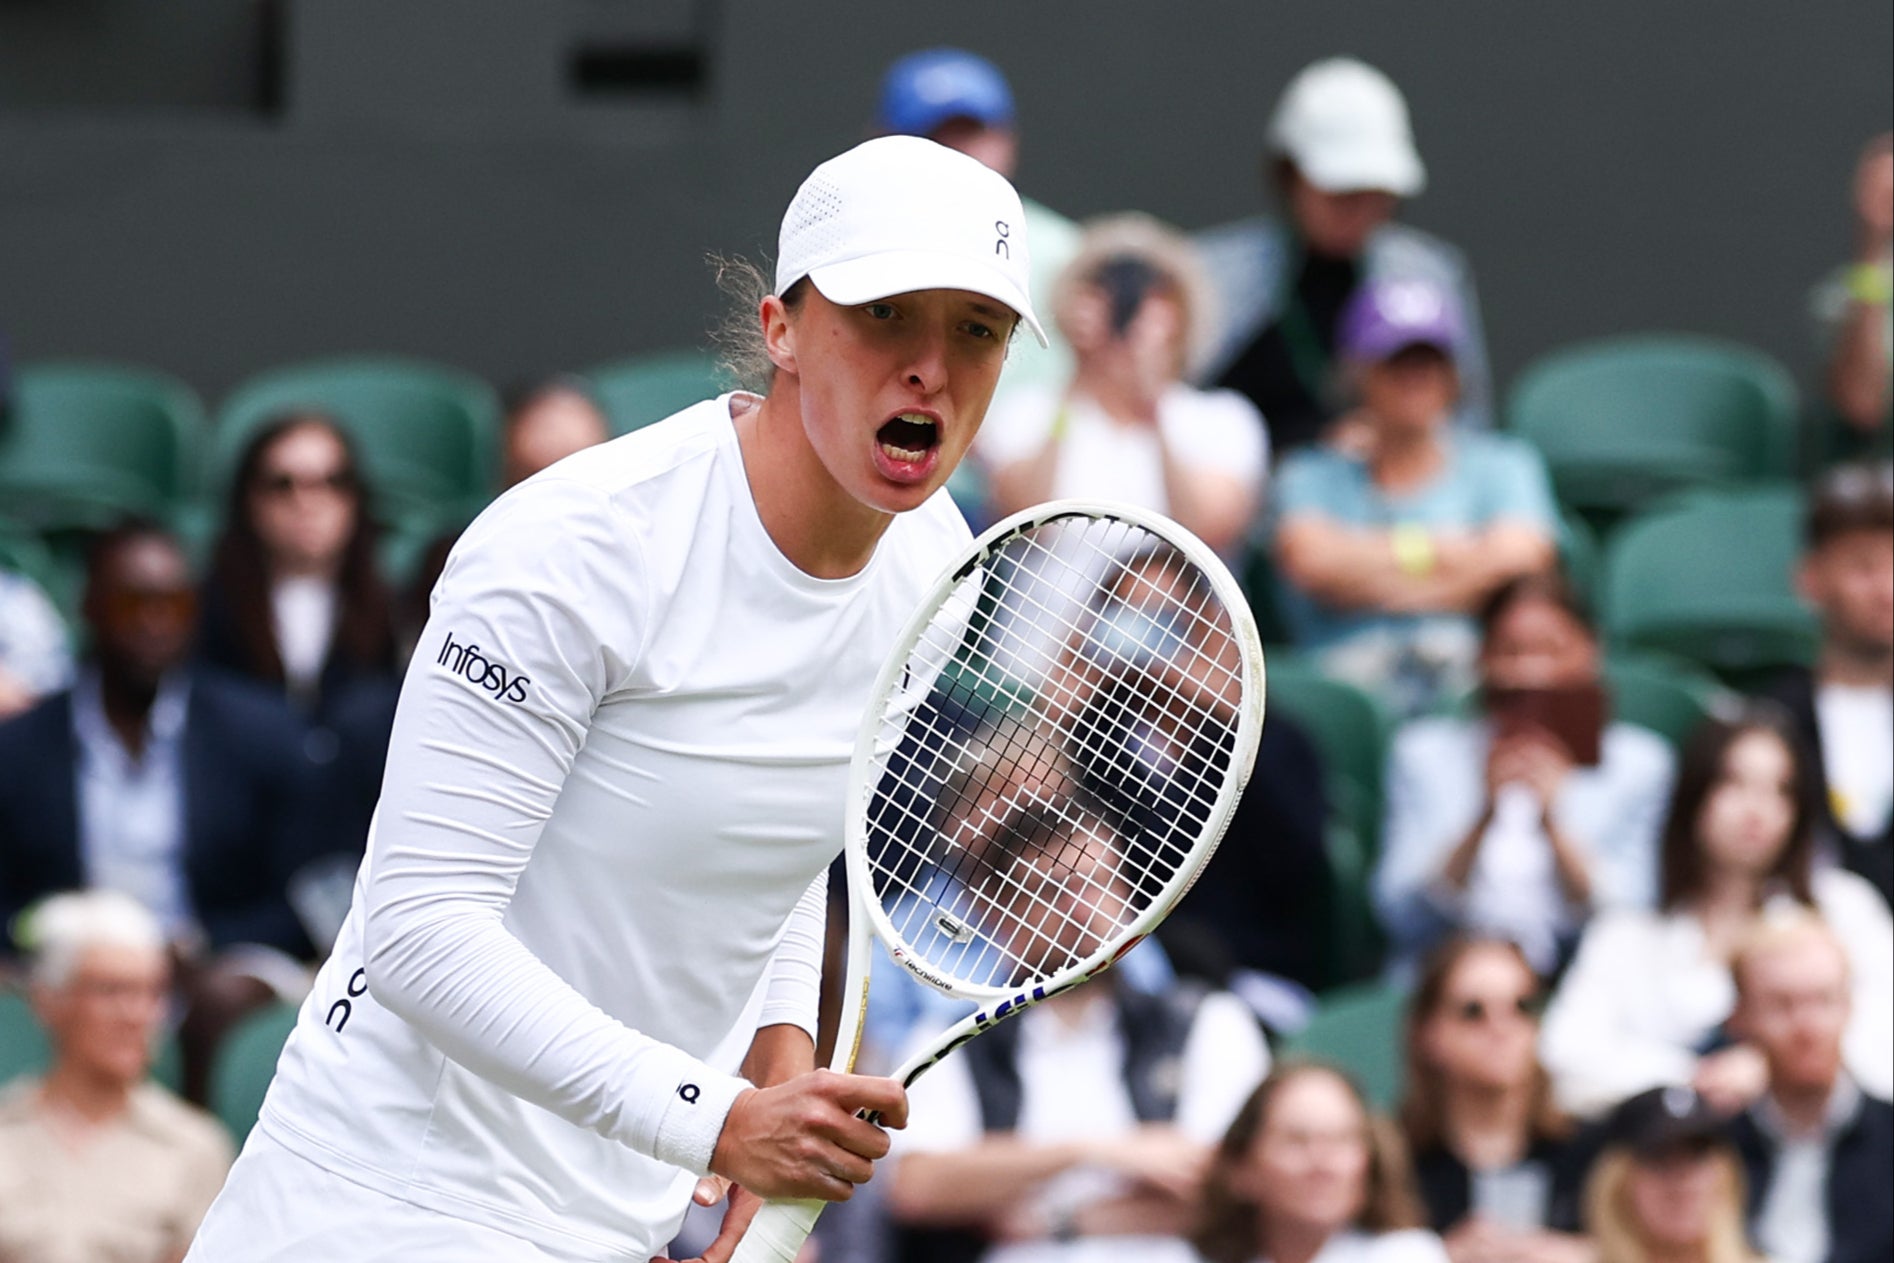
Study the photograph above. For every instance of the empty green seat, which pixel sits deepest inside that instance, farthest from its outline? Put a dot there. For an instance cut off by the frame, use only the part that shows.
(1708, 577)
(644, 388)
(1359, 1029)
(1625, 420)
(245, 1064)
(1350, 728)
(428, 435)
(1669, 696)
(88, 443)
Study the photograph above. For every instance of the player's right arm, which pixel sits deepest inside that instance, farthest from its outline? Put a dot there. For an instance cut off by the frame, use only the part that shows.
(539, 615)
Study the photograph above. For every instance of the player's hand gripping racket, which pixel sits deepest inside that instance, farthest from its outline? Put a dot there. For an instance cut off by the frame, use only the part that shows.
(1048, 760)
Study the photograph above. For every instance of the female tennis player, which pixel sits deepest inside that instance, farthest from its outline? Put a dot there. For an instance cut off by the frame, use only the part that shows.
(581, 967)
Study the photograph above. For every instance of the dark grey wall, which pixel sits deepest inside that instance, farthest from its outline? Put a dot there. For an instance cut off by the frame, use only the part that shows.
(517, 187)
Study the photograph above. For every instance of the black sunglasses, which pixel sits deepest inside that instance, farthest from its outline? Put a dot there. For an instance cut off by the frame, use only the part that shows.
(1478, 1010)
(340, 481)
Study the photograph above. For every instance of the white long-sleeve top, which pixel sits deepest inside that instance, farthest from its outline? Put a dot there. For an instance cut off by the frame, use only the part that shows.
(1643, 994)
(615, 783)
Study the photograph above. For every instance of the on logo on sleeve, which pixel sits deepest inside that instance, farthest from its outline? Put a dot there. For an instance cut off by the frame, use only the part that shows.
(466, 661)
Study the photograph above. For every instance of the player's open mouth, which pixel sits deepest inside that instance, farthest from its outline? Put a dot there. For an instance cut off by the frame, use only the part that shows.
(909, 438)
(907, 448)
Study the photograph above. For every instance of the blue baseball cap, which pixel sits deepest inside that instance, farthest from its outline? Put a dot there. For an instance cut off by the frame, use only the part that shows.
(923, 90)
(1386, 316)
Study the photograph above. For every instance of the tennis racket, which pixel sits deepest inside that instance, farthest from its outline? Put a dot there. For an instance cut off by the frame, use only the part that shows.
(1050, 756)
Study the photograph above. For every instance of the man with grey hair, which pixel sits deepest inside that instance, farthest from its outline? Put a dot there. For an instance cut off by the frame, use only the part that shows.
(96, 1161)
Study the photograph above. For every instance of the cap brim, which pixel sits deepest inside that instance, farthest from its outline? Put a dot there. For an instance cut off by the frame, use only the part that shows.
(1380, 350)
(1381, 169)
(874, 276)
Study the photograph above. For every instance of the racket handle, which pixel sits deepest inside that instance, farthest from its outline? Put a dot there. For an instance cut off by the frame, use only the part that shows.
(778, 1231)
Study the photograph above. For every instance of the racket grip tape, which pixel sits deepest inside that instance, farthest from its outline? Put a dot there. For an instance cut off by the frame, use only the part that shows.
(778, 1231)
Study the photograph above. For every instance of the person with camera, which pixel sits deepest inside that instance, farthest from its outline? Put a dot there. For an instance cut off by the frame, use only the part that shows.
(1133, 303)
(1517, 820)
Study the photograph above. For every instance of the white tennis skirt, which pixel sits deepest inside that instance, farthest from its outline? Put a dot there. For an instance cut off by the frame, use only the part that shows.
(279, 1207)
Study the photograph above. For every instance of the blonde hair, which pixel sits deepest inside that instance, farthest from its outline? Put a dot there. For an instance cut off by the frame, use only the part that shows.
(62, 928)
(1615, 1230)
(1778, 928)
(1165, 250)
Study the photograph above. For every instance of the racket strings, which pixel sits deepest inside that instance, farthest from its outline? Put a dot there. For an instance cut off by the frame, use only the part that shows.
(1058, 755)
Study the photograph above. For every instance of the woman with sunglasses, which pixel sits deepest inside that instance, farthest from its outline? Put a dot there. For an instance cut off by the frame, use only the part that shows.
(577, 987)
(1492, 1154)
(293, 597)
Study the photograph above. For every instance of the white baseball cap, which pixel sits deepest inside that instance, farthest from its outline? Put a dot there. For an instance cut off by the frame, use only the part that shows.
(898, 214)
(1345, 126)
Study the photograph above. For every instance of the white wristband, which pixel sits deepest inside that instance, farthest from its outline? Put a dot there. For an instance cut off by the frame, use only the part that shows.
(694, 1115)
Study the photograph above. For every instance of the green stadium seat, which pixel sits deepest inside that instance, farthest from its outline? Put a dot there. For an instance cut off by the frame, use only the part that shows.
(88, 443)
(644, 388)
(1579, 555)
(1359, 1029)
(245, 1064)
(1625, 420)
(1350, 728)
(1707, 577)
(23, 552)
(23, 1047)
(1256, 569)
(428, 434)
(24, 1050)
(1669, 696)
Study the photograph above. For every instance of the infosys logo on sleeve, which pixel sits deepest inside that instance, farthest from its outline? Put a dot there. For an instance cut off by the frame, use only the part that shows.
(467, 661)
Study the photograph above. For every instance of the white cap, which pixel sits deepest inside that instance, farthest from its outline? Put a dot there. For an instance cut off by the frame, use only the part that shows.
(898, 214)
(1345, 126)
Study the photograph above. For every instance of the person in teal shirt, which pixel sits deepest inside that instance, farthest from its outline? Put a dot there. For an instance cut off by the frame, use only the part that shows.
(1390, 537)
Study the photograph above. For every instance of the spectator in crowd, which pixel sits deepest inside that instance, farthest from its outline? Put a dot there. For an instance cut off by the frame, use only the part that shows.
(1668, 1185)
(1844, 707)
(1258, 917)
(1645, 1001)
(1497, 1166)
(97, 1162)
(1339, 158)
(1134, 304)
(1852, 306)
(1819, 1152)
(185, 789)
(1307, 1172)
(1522, 819)
(547, 423)
(1387, 549)
(294, 598)
(961, 100)
(543, 423)
(35, 657)
(1079, 1130)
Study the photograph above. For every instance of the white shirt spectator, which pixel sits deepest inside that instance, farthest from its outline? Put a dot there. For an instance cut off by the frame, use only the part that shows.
(1072, 1087)
(1107, 459)
(1857, 732)
(1410, 1246)
(1436, 790)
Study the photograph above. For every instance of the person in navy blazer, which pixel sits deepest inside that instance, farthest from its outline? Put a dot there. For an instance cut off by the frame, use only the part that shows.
(191, 790)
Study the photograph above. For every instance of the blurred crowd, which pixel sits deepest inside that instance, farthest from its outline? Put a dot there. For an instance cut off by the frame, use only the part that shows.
(1538, 936)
